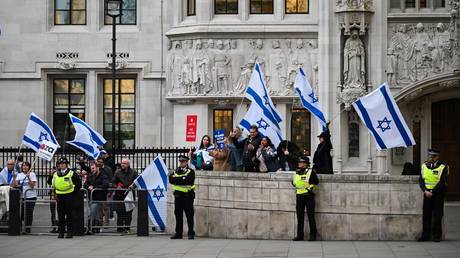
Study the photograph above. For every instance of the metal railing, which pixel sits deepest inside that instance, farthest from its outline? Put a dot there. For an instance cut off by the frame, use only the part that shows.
(139, 159)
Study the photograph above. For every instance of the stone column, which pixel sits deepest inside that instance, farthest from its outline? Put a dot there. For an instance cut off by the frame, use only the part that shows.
(381, 158)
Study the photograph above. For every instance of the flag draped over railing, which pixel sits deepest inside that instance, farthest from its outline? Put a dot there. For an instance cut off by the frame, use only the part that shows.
(154, 179)
(381, 115)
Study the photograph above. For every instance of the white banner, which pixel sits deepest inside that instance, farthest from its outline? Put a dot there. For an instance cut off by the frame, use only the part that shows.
(47, 150)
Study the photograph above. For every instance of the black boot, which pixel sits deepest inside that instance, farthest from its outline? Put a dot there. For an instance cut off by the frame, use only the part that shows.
(191, 235)
(69, 235)
(312, 237)
(176, 236)
(297, 238)
(61, 235)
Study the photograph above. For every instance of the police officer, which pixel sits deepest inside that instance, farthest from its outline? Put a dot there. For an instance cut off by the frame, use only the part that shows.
(433, 181)
(183, 182)
(305, 180)
(66, 185)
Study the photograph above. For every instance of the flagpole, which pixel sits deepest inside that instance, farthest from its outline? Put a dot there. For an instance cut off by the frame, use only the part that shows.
(33, 163)
(239, 107)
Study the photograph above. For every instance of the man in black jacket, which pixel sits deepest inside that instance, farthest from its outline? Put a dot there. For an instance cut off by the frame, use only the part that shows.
(288, 154)
(250, 146)
(322, 159)
(123, 179)
(183, 182)
(97, 184)
(66, 185)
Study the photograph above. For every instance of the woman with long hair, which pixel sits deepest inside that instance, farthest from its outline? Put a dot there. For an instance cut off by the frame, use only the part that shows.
(266, 155)
(201, 158)
(26, 181)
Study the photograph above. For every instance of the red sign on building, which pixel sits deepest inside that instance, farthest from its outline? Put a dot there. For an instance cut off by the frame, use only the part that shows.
(190, 135)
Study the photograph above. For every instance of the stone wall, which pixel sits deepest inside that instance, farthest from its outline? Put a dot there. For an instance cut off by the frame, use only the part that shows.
(262, 206)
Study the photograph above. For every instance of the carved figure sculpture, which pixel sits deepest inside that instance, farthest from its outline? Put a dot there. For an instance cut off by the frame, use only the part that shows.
(277, 71)
(391, 70)
(354, 62)
(221, 69)
(201, 76)
(187, 70)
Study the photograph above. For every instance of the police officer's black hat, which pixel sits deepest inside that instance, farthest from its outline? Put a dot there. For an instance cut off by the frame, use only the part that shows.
(433, 152)
(304, 159)
(62, 160)
(183, 158)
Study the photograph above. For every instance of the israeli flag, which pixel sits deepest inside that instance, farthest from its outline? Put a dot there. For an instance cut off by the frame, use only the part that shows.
(86, 138)
(378, 110)
(308, 97)
(257, 92)
(154, 179)
(36, 132)
(257, 116)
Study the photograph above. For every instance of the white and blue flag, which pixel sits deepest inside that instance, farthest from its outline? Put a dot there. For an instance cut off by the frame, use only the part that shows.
(259, 117)
(154, 179)
(308, 97)
(258, 93)
(86, 138)
(381, 115)
(36, 132)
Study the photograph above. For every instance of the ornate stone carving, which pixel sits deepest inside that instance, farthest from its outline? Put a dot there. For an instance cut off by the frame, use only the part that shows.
(66, 60)
(354, 14)
(121, 60)
(450, 84)
(222, 67)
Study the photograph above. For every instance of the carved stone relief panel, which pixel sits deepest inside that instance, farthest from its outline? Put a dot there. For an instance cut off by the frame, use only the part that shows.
(66, 60)
(223, 67)
(422, 50)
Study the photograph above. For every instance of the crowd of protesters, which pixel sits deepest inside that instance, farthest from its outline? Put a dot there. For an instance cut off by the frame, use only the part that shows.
(256, 153)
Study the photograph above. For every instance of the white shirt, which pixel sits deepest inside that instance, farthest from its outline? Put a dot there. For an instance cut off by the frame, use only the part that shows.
(23, 182)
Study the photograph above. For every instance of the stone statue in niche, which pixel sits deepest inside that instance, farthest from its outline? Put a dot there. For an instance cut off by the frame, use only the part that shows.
(354, 70)
(404, 48)
(277, 71)
(392, 62)
(174, 66)
(201, 75)
(187, 70)
(221, 70)
(443, 58)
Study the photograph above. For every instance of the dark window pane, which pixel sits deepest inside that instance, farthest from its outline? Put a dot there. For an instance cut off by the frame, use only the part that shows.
(61, 17)
(77, 99)
(423, 4)
(410, 3)
(256, 6)
(353, 140)
(128, 17)
(220, 6)
(267, 6)
(439, 3)
(79, 4)
(61, 100)
(129, 4)
(62, 5)
(395, 3)
(191, 7)
(78, 17)
(232, 6)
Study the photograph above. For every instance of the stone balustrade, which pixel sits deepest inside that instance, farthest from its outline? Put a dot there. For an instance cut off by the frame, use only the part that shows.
(262, 206)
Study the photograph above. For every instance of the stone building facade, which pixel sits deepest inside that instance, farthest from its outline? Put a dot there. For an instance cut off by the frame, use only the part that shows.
(194, 57)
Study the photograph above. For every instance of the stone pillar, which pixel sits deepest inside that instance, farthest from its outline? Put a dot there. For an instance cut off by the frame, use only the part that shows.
(381, 158)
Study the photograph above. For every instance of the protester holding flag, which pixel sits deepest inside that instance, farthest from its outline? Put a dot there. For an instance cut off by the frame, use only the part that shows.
(201, 158)
(26, 181)
(266, 156)
(123, 179)
(288, 155)
(322, 159)
(236, 153)
(183, 182)
(66, 183)
(250, 146)
(96, 183)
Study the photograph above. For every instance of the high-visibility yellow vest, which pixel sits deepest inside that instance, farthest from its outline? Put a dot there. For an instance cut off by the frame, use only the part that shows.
(301, 183)
(183, 188)
(431, 177)
(63, 184)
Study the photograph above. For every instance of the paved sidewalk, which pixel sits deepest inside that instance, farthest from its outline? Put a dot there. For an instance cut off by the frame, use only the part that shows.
(162, 246)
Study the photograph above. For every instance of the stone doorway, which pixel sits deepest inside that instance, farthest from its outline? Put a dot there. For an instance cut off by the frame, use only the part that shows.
(445, 135)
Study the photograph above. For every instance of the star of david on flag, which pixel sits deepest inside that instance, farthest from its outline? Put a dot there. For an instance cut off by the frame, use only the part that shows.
(86, 138)
(257, 116)
(36, 132)
(154, 179)
(307, 96)
(381, 115)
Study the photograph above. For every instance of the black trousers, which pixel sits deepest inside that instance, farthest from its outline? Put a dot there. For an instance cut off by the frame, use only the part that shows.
(124, 217)
(433, 210)
(181, 205)
(65, 206)
(305, 201)
(27, 212)
(53, 213)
